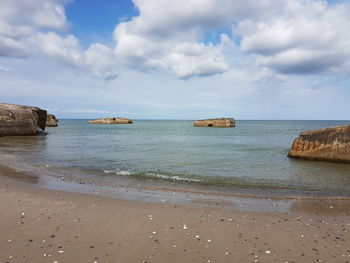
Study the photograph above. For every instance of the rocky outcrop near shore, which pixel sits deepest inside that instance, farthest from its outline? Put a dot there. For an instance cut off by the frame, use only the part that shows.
(21, 120)
(51, 121)
(220, 122)
(117, 120)
(330, 144)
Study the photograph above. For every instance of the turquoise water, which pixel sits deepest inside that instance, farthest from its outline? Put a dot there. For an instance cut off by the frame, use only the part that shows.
(252, 155)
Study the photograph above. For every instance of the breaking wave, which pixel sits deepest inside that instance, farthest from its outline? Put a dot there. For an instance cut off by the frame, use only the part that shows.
(155, 175)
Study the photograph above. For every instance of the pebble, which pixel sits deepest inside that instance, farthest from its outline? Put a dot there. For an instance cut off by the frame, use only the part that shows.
(268, 252)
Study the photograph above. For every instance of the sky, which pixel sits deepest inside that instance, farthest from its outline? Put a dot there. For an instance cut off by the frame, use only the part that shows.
(184, 59)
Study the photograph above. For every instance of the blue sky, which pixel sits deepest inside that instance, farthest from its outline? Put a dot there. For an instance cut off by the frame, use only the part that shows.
(92, 20)
(185, 59)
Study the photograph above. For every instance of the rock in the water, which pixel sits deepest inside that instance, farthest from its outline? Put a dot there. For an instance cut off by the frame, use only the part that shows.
(117, 120)
(21, 120)
(330, 144)
(221, 122)
(51, 121)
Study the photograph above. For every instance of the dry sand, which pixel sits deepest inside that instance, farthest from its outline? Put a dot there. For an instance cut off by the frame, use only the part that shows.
(38, 225)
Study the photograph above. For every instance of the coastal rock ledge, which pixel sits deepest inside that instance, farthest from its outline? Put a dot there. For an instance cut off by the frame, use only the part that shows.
(117, 120)
(51, 121)
(21, 120)
(220, 122)
(330, 144)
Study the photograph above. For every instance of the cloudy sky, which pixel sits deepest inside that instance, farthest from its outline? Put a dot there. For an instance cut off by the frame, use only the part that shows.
(184, 59)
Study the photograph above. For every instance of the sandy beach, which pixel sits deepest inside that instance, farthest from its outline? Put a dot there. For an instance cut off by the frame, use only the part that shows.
(39, 225)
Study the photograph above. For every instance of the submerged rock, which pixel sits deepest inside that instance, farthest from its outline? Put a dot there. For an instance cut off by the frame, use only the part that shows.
(51, 121)
(21, 120)
(117, 120)
(220, 122)
(330, 144)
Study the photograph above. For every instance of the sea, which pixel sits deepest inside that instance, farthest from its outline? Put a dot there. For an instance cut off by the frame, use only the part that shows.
(249, 159)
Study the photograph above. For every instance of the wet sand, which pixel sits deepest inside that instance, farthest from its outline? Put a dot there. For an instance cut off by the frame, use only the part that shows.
(38, 225)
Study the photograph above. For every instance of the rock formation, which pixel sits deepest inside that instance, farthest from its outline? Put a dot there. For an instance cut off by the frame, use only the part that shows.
(330, 144)
(221, 122)
(21, 120)
(117, 120)
(51, 121)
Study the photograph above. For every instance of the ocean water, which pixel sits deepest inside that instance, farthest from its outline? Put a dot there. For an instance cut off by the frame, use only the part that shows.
(252, 156)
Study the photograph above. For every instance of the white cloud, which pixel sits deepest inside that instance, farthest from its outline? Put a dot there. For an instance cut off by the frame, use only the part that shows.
(19, 19)
(307, 37)
(184, 59)
(166, 18)
(12, 48)
(97, 59)
(167, 36)
(281, 36)
(101, 61)
(22, 26)
(293, 36)
(64, 49)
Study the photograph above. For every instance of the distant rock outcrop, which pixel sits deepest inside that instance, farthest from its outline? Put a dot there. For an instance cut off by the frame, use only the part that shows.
(220, 122)
(330, 144)
(51, 121)
(21, 120)
(117, 120)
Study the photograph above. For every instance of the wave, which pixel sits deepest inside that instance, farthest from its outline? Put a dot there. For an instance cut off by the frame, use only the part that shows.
(156, 175)
(226, 184)
(117, 172)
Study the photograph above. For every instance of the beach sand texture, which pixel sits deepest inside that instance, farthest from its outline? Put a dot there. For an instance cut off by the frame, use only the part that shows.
(38, 225)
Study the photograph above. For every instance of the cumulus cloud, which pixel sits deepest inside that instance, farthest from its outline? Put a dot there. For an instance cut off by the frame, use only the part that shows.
(307, 37)
(282, 36)
(98, 59)
(26, 26)
(19, 19)
(288, 37)
(64, 49)
(12, 48)
(183, 58)
(167, 36)
(166, 18)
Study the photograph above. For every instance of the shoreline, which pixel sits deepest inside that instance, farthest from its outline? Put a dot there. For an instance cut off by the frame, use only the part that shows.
(59, 175)
(45, 225)
(155, 192)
